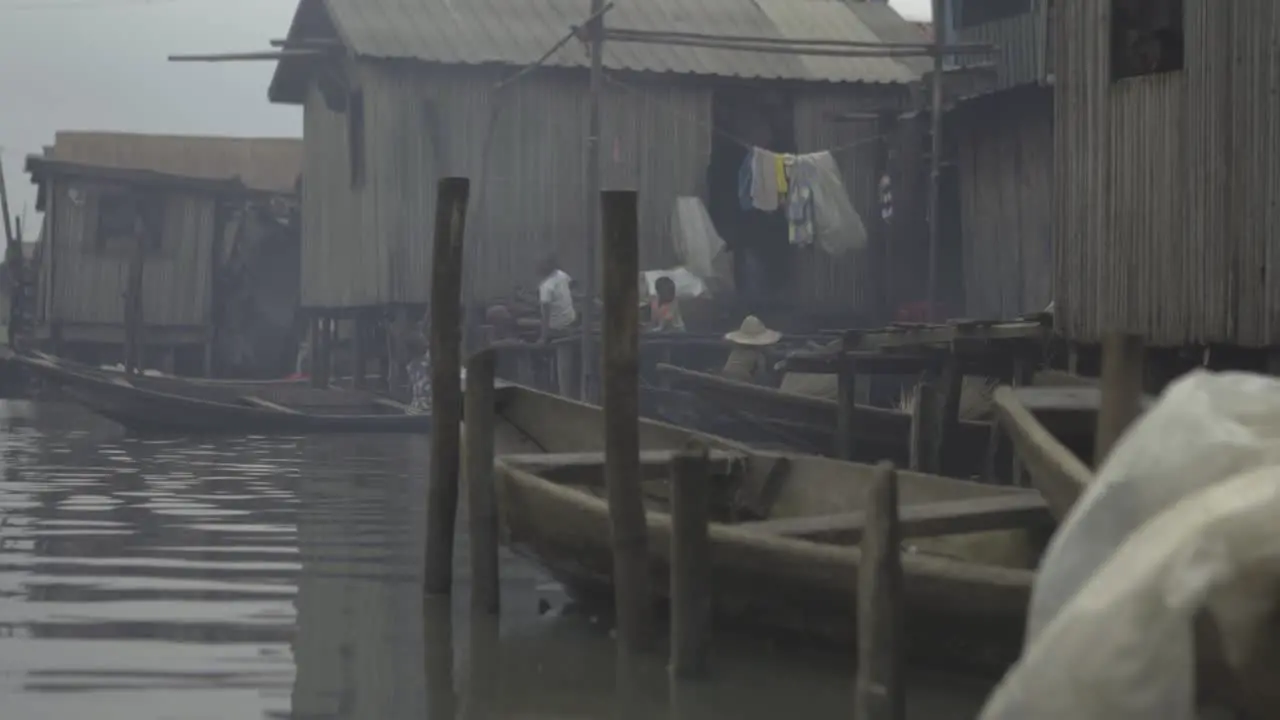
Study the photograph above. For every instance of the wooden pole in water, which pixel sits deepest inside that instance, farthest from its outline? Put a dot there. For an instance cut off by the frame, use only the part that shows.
(690, 562)
(878, 690)
(1122, 358)
(482, 500)
(446, 383)
(360, 350)
(923, 442)
(587, 383)
(632, 587)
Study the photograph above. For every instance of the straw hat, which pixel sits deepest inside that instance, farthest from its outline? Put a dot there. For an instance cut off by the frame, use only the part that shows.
(753, 332)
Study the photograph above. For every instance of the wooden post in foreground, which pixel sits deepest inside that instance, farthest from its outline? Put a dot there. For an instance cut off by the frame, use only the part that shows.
(446, 390)
(878, 691)
(1122, 358)
(923, 441)
(846, 392)
(690, 562)
(633, 594)
(482, 500)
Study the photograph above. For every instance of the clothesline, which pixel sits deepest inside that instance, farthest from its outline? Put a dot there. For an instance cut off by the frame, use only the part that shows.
(730, 136)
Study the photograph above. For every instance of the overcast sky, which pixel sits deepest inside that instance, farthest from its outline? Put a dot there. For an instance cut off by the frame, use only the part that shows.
(100, 65)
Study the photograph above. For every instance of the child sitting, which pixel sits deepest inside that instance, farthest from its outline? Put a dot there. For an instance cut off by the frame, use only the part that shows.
(664, 310)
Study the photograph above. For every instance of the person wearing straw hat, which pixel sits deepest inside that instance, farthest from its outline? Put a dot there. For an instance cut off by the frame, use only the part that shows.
(747, 361)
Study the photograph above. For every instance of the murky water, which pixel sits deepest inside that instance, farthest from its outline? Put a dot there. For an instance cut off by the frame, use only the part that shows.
(270, 577)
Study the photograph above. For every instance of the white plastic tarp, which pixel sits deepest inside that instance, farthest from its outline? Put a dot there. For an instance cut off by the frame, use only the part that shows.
(1181, 517)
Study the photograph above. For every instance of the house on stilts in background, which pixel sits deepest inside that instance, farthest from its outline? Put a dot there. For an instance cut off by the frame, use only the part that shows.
(1169, 163)
(998, 133)
(397, 96)
(170, 252)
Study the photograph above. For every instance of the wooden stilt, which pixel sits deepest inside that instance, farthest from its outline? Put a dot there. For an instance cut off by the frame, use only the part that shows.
(1122, 361)
(437, 628)
(446, 390)
(360, 343)
(690, 562)
(878, 690)
(317, 340)
(632, 585)
(482, 500)
(846, 384)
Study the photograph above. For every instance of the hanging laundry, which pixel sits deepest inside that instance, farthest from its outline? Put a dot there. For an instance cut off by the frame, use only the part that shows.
(780, 173)
(800, 203)
(818, 206)
(764, 180)
(745, 180)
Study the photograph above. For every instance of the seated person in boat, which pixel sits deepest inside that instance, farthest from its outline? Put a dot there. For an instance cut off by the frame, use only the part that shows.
(419, 371)
(748, 361)
(555, 300)
(664, 309)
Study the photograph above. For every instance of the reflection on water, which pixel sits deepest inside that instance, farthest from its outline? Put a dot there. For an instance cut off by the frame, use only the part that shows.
(279, 577)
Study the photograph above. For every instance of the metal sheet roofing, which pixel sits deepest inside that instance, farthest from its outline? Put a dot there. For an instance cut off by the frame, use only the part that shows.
(267, 164)
(517, 32)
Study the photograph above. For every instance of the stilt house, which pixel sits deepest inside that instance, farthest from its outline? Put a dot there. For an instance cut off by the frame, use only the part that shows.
(398, 95)
(156, 216)
(1169, 166)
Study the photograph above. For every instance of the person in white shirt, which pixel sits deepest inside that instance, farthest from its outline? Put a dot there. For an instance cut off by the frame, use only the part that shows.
(555, 297)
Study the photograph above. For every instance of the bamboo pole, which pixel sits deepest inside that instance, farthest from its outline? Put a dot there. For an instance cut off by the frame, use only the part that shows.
(632, 586)
(878, 689)
(846, 383)
(1122, 358)
(588, 386)
(446, 390)
(482, 500)
(935, 153)
(690, 562)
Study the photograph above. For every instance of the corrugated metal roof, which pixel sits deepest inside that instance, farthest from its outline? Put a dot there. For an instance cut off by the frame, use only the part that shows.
(268, 164)
(508, 32)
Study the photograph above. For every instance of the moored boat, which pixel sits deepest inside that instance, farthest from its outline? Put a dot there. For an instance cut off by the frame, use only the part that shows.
(759, 414)
(170, 405)
(784, 537)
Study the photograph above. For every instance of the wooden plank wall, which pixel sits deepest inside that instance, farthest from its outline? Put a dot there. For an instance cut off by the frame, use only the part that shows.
(87, 286)
(1003, 150)
(854, 280)
(1165, 187)
(371, 245)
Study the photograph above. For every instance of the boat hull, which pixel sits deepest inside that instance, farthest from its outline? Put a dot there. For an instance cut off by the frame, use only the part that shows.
(958, 613)
(172, 406)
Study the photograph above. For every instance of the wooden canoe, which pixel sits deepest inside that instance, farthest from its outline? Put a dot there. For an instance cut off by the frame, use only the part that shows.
(169, 405)
(1052, 429)
(1055, 470)
(783, 543)
(758, 415)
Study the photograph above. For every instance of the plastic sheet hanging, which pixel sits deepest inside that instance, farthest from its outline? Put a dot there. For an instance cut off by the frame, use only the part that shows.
(1181, 517)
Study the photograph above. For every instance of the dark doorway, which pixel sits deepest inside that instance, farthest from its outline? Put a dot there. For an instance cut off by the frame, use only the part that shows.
(746, 118)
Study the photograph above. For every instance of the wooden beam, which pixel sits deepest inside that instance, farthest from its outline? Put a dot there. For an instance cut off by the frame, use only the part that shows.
(274, 55)
(632, 579)
(860, 363)
(1123, 356)
(720, 462)
(878, 688)
(690, 562)
(452, 194)
(268, 405)
(951, 517)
